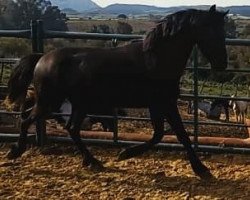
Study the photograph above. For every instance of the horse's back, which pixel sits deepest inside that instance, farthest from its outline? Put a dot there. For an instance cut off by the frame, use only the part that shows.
(112, 77)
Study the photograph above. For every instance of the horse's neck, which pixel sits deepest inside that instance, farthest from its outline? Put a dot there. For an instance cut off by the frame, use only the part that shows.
(179, 47)
(172, 56)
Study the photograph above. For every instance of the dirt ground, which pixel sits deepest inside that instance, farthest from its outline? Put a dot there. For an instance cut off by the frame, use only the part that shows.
(56, 173)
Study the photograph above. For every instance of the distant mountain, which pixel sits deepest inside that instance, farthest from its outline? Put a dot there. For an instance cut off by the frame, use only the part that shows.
(143, 9)
(130, 9)
(70, 11)
(75, 5)
(88, 6)
(135, 9)
(241, 10)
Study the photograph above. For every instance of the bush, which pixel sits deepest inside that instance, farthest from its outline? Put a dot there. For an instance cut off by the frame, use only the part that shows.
(14, 47)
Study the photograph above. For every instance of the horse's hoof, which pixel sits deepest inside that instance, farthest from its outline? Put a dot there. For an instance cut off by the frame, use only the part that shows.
(123, 155)
(96, 167)
(208, 176)
(93, 165)
(205, 174)
(15, 152)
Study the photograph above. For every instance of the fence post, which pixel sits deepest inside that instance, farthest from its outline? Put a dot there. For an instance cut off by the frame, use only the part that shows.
(41, 132)
(115, 133)
(33, 36)
(41, 124)
(40, 36)
(196, 89)
(115, 112)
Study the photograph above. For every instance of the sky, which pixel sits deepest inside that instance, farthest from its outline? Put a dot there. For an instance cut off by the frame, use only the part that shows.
(168, 3)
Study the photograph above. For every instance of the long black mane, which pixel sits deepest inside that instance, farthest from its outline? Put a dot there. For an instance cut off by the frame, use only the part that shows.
(178, 23)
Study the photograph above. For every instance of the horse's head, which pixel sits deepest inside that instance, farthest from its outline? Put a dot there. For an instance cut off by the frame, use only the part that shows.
(209, 35)
(204, 28)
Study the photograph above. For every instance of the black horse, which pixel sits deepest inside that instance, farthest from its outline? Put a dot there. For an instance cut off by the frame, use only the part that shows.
(140, 74)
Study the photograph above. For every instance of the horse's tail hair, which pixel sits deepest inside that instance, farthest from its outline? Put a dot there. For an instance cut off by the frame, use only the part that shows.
(21, 78)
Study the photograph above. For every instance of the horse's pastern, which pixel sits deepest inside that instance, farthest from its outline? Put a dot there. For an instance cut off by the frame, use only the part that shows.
(93, 164)
(15, 152)
(123, 155)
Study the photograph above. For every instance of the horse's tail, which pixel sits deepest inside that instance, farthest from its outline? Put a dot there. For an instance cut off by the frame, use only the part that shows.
(21, 78)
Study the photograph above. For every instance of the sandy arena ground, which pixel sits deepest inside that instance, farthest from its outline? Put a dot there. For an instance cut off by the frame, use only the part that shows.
(56, 173)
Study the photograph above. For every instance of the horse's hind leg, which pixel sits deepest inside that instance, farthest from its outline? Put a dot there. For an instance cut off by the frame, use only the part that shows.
(18, 149)
(174, 119)
(157, 119)
(74, 130)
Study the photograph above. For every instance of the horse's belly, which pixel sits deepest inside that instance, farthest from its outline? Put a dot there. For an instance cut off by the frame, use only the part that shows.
(132, 93)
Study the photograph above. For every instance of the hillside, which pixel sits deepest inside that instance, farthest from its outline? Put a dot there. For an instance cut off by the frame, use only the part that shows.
(77, 5)
(89, 7)
(135, 9)
(241, 10)
(130, 9)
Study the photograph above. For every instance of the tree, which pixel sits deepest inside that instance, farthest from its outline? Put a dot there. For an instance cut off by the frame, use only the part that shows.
(54, 19)
(6, 10)
(122, 16)
(21, 12)
(3, 6)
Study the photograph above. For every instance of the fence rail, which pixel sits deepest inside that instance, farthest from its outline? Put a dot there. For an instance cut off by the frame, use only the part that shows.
(16, 33)
(37, 35)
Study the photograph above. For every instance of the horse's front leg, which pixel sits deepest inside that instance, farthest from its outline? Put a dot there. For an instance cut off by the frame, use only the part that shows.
(175, 121)
(158, 125)
(74, 130)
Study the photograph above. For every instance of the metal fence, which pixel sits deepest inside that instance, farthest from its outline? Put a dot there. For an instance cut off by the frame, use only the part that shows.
(37, 35)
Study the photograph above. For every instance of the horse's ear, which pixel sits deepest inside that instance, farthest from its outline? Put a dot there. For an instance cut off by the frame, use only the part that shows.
(212, 8)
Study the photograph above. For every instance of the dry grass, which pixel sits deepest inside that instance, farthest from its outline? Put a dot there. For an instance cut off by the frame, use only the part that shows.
(86, 25)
